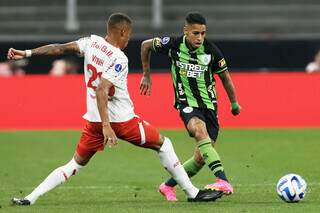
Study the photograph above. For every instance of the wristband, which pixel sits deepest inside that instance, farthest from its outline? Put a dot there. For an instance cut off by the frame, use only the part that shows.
(28, 53)
(234, 105)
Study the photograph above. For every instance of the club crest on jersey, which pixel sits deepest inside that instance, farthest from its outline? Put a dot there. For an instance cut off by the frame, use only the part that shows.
(165, 40)
(118, 67)
(205, 59)
(187, 109)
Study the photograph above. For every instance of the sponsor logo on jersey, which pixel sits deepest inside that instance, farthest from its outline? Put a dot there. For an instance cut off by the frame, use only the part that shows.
(190, 74)
(165, 40)
(118, 67)
(191, 70)
(187, 109)
(191, 67)
(222, 63)
(106, 50)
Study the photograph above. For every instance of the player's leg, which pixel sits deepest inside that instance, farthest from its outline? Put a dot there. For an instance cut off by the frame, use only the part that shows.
(141, 133)
(209, 155)
(172, 164)
(56, 177)
(212, 127)
(192, 166)
(203, 126)
(89, 143)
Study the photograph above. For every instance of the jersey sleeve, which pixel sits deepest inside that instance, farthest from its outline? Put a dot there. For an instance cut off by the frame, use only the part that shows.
(219, 63)
(114, 71)
(162, 45)
(83, 43)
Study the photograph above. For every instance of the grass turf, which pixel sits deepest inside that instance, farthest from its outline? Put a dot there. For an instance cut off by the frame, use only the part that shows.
(125, 178)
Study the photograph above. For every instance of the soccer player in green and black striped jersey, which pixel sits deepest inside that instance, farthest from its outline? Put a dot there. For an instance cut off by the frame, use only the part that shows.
(194, 61)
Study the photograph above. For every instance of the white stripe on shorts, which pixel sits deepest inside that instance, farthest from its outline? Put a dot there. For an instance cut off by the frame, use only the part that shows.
(142, 133)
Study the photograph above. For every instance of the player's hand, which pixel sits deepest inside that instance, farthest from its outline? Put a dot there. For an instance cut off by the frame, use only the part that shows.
(16, 54)
(235, 109)
(145, 85)
(110, 137)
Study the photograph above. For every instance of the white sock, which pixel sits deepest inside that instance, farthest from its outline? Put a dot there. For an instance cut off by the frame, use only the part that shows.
(55, 178)
(172, 164)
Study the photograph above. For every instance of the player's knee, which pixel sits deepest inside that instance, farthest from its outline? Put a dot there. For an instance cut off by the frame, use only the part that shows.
(161, 139)
(197, 128)
(158, 145)
(81, 160)
(200, 133)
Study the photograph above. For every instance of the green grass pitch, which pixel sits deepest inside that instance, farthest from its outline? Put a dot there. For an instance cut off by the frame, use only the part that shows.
(125, 178)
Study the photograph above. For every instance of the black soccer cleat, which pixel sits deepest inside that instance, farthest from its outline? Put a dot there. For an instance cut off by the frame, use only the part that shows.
(20, 202)
(206, 195)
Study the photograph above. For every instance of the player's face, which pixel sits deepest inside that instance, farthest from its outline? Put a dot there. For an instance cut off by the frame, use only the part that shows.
(125, 36)
(195, 34)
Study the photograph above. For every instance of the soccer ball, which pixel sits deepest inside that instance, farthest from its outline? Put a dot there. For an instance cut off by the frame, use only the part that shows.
(291, 188)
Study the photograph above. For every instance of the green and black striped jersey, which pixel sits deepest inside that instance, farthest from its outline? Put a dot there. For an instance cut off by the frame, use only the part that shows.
(192, 70)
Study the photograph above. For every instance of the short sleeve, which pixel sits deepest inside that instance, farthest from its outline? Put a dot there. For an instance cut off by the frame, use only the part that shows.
(219, 63)
(83, 43)
(115, 70)
(162, 45)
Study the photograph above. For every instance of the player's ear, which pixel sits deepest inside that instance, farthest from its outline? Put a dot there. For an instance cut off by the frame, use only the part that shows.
(185, 30)
(122, 32)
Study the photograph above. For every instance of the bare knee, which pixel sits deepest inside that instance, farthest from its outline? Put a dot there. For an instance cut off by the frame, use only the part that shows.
(81, 160)
(197, 128)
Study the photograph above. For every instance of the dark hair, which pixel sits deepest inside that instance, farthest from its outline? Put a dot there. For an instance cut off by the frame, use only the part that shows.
(195, 18)
(118, 18)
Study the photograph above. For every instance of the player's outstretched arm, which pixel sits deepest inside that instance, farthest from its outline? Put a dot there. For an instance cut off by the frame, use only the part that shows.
(230, 89)
(146, 83)
(102, 102)
(51, 49)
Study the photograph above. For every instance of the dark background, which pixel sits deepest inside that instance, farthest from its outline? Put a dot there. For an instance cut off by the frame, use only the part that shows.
(251, 55)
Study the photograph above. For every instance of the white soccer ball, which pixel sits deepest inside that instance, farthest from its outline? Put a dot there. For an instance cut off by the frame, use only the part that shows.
(291, 188)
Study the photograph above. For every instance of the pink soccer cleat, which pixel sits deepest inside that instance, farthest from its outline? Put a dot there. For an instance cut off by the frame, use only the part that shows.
(221, 185)
(168, 192)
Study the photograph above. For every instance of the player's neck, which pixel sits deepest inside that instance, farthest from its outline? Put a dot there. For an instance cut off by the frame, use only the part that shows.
(111, 40)
(189, 46)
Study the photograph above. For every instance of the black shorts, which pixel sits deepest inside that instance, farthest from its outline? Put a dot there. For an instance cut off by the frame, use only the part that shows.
(208, 116)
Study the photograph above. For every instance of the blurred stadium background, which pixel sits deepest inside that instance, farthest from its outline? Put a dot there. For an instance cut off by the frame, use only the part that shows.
(253, 34)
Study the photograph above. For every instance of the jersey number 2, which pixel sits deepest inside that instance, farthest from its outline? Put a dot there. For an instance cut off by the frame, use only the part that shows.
(94, 76)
